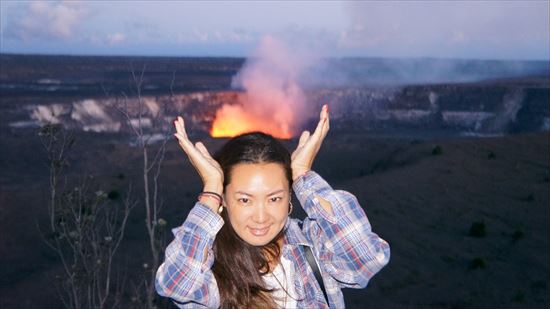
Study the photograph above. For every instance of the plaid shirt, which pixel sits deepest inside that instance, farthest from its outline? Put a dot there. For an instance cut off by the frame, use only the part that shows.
(348, 252)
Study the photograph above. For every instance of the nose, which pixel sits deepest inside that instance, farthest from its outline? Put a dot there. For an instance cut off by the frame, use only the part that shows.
(260, 214)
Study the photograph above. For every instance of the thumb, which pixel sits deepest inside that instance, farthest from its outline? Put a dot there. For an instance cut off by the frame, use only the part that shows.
(200, 146)
(303, 138)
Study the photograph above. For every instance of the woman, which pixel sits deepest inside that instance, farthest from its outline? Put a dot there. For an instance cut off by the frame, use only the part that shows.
(238, 247)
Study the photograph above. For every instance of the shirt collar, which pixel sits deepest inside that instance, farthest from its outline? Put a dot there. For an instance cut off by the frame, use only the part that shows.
(293, 234)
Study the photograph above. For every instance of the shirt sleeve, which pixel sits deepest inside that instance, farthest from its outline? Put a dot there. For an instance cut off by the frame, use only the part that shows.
(346, 246)
(185, 276)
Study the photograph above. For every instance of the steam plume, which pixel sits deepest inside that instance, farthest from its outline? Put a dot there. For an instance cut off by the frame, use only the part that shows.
(273, 98)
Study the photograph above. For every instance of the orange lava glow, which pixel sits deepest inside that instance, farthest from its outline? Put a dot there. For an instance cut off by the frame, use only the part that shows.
(232, 120)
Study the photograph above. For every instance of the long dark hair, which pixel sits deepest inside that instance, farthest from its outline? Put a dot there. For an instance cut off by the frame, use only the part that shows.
(238, 266)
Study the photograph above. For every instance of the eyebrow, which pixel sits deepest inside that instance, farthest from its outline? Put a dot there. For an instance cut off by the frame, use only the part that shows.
(272, 193)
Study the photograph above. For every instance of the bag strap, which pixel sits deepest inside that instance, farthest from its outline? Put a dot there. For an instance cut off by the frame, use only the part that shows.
(313, 264)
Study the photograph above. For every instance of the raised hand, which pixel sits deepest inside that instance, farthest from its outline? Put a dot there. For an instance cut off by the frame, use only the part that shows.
(309, 145)
(209, 170)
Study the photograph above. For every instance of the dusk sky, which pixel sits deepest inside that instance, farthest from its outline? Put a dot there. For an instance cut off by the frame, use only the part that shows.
(458, 29)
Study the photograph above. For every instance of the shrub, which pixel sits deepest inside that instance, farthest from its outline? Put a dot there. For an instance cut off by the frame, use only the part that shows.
(539, 284)
(447, 259)
(477, 263)
(477, 229)
(519, 297)
(113, 195)
(437, 151)
(518, 234)
(529, 198)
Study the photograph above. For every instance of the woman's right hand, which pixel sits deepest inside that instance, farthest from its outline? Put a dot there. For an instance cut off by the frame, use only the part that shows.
(209, 170)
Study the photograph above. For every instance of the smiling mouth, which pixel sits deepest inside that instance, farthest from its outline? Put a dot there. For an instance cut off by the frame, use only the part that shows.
(259, 232)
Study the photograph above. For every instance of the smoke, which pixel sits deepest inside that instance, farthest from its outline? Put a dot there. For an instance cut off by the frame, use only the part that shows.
(353, 72)
(273, 95)
(512, 103)
(276, 76)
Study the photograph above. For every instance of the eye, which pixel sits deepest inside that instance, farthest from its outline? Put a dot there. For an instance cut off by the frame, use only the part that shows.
(274, 199)
(243, 200)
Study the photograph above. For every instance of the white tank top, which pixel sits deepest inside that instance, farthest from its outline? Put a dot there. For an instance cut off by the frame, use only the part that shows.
(281, 297)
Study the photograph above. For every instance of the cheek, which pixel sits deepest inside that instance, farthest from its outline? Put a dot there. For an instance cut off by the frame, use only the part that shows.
(237, 215)
(280, 211)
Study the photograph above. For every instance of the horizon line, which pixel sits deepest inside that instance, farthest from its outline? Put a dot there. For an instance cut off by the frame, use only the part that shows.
(245, 57)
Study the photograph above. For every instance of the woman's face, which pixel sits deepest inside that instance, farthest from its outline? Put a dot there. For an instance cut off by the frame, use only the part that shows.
(257, 201)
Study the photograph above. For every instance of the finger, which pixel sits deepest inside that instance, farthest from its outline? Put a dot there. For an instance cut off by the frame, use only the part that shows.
(184, 143)
(324, 113)
(326, 126)
(180, 127)
(183, 140)
(322, 120)
(200, 146)
(326, 121)
(181, 135)
(194, 154)
(177, 126)
(303, 138)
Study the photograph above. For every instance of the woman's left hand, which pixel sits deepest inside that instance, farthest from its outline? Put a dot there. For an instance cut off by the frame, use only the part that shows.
(309, 145)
